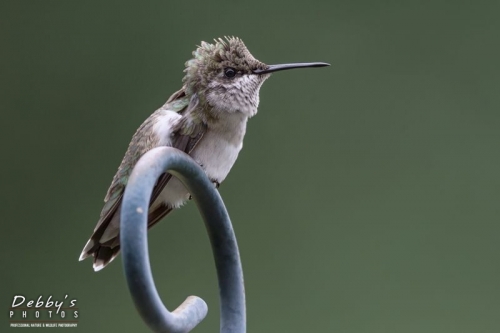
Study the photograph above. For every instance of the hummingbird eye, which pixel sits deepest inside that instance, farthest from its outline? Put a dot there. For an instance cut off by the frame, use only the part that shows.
(229, 72)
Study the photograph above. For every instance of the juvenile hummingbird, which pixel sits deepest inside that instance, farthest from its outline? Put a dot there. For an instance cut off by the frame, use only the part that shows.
(206, 118)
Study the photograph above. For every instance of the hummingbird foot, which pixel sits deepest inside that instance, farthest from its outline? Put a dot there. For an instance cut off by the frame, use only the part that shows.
(216, 184)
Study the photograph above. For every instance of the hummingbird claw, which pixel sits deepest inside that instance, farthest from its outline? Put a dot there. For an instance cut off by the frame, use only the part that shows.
(216, 184)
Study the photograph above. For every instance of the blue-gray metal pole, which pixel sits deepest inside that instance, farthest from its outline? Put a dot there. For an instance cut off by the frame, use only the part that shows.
(134, 245)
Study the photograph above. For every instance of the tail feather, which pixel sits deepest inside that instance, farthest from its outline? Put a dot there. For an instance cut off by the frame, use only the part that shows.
(87, 249)
(104, 255)
(105, 246)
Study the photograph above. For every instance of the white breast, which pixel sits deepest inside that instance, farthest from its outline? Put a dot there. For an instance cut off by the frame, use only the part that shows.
(218, 149)
(216, 152)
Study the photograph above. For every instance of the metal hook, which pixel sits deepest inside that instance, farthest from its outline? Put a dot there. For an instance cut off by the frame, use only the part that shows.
(134, 245)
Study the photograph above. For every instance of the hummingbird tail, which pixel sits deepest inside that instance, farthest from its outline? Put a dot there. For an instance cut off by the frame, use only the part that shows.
(104, 244)
(103, 254)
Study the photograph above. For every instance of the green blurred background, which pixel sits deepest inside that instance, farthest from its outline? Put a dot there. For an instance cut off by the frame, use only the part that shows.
(366, 198)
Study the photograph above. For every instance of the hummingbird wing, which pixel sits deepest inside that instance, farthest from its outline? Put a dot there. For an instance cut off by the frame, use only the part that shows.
(105, 249)
(187, 133)
(185, 143)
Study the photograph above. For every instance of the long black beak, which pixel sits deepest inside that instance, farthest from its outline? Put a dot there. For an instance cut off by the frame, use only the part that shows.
(282, 67)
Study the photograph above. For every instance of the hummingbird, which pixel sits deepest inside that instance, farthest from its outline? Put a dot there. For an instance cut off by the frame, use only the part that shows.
(206, 118)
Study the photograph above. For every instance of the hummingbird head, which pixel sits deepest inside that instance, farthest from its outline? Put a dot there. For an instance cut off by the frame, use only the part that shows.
(227, 77)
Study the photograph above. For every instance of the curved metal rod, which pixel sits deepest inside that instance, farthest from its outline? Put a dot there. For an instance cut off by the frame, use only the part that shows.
(134, 245)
